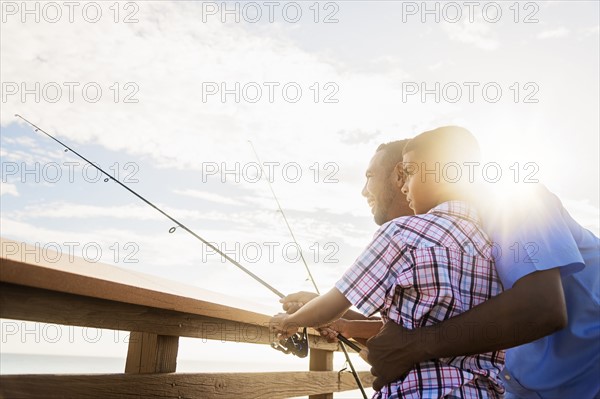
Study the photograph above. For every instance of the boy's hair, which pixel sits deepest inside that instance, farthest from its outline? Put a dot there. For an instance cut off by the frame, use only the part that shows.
(393, 152)
(446, 143)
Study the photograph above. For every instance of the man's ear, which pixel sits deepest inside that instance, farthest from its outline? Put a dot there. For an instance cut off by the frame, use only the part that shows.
(399, 174)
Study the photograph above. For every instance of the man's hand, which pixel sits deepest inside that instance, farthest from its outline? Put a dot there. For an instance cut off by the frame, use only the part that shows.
(392, 353)
(280, 325)
(293, 302)
(331, 331)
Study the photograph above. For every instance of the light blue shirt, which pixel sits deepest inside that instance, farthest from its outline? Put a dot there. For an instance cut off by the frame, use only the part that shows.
(541, 235)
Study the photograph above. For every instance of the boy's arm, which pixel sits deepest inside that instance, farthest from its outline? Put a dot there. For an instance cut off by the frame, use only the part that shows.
(292, 302)
(365, 283)
(533, 308)
(318, 312)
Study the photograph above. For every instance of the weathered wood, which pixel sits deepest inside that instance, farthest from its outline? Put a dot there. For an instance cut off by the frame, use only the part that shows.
(321, 361)
(34, 304)
(39, 266)
(151, 353)
(178, 385)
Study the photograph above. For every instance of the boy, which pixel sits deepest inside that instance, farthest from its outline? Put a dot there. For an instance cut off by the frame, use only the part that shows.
(421, 270)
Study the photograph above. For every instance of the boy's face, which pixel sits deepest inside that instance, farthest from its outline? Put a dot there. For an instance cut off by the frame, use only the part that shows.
(383, 190)
(422, 191)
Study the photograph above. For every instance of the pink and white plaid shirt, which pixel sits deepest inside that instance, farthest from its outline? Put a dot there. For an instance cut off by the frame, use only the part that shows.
(419, 271)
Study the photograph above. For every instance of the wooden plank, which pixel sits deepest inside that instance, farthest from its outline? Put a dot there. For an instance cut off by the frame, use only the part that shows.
(178, 385)
(168, 347)
(151, 353)
(41, 267)
(321, 360)
(34, 304)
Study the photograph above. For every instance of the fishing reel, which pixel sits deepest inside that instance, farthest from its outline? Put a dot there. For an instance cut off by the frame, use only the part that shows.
(297, 344)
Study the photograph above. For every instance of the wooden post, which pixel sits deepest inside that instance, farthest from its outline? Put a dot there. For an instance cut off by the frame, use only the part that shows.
(151, 353)
(321, 360)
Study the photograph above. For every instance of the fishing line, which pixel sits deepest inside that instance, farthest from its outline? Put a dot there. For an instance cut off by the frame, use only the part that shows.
(343, 340)
(285, 219)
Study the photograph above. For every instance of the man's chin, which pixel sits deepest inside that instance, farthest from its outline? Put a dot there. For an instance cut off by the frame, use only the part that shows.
(379, 220)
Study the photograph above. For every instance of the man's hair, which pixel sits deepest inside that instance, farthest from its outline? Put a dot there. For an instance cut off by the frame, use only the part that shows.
(393, 152)
(446, 143)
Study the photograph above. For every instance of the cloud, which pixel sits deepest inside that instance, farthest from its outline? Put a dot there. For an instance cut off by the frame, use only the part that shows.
(585, 213)
(170, 68)
(68, 210)
(133, 212)
(554, 33)
(358, 136)
(250, 222)
(30, 150)
(171, 126)
(212, 197)
(590, 31)
(440, 64)
(8, 189)
(392, 65)
(477, 33)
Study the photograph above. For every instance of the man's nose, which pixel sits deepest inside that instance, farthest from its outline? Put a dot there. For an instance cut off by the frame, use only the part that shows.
(364, 191)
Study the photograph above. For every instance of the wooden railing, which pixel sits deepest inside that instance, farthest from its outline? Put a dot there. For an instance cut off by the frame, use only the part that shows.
(70, 291)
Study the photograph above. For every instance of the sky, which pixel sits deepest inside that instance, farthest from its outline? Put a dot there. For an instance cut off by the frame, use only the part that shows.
(167, 95)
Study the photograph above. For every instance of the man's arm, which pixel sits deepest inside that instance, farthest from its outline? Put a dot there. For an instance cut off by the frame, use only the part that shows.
(533, 308)
(357, 329)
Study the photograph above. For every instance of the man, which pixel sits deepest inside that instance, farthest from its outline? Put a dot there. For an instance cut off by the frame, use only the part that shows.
(385, 198)
(549, 314)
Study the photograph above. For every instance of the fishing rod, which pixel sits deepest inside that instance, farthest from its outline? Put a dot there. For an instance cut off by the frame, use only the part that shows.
(172, 229)
(343, 340)
(296, 344)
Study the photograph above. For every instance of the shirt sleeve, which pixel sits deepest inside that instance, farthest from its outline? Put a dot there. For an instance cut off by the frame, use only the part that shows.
(534, 237)
(366, 283)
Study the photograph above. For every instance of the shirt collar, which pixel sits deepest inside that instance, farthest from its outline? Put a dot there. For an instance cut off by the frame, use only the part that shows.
(461, 209)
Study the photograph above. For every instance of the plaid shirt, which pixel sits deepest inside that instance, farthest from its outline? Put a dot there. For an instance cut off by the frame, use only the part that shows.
(421, 270)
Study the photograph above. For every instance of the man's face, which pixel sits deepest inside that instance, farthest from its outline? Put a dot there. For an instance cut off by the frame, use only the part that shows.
(422, 192)
(383, 190)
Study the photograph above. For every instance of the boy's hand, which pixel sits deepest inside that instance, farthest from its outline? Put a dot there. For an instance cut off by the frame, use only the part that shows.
(391, 353)
(279, 324)
(293, 302)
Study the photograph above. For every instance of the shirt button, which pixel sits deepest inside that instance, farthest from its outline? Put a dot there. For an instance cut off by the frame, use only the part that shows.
(507, 377)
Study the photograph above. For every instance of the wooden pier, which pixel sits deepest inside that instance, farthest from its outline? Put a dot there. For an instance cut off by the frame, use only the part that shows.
(39, 285)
